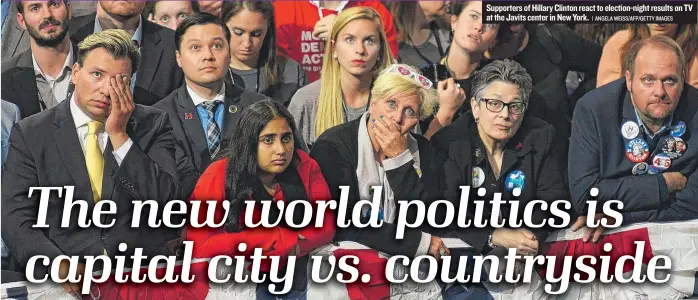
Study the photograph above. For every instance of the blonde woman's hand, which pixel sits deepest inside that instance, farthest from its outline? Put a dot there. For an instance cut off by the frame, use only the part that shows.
(324, 26)
(389, 137)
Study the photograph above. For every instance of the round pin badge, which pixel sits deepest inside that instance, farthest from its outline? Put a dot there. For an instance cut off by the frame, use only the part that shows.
(637, 150)
(630, 130)
(478, 177)
(515, 180)
(674, 147)
(652, 170)
(233, 109)
(661, 161)
(678, 129)
(641, 168)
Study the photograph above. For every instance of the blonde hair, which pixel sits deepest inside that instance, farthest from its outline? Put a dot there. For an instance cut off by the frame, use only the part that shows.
(116, 41)
(392, 83)
(330, 112)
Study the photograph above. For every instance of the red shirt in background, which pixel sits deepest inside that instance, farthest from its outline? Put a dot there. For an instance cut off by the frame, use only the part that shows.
(295, 21)
(278, 241)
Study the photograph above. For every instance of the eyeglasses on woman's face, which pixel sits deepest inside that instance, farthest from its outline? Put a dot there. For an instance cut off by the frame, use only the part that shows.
(496, 106)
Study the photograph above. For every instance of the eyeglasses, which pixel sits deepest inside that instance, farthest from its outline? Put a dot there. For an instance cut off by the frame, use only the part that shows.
(423, 81)
(496, 106)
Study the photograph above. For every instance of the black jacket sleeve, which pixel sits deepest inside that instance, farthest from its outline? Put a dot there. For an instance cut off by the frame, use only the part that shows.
(19, 211)
(579, 54)
(551, 185)
(335, 161)
(448, 170)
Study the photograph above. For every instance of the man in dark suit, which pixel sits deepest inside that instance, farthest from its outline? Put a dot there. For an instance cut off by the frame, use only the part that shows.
(624, 138)
(40, 78)
(158, 75)
(205, 109)
(103, 145)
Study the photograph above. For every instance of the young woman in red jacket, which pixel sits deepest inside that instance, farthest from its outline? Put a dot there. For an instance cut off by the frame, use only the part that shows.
(264, 163)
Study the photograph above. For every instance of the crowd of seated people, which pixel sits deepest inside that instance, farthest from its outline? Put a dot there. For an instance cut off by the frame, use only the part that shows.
(291, 100)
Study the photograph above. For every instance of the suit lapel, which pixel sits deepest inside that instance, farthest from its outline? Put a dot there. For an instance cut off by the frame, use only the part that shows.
(26, 92)
(66, 139)
(110, 167)
(194, 131)
(151, 55)
(232, 108)
(83, 32)
(516, 148)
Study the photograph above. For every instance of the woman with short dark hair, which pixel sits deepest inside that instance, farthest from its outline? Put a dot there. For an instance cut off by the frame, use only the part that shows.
(497, 148)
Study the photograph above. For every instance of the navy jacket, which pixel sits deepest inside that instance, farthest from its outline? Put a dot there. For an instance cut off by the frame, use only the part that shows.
(598, 159)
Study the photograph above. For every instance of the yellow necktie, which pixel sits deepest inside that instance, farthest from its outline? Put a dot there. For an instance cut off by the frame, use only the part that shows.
(94, 159)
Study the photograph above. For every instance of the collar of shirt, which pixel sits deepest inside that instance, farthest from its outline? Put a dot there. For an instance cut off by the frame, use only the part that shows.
(666, 126)
(67, 64)
(198, 99)
(137, 36)
(79, 117)
(320, 8)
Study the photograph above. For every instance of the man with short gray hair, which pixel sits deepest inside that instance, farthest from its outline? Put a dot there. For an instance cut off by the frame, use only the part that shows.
(624, 136)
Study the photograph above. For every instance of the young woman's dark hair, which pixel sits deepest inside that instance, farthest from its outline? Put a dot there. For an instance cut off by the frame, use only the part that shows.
(273, 64)
(504, 32)
(242, 176)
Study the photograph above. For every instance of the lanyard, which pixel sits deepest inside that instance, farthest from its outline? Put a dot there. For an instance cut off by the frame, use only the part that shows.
(256, 86)
(434, 32)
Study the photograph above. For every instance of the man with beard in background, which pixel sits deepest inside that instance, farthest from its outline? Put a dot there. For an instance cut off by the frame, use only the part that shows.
(159, 74)
(40, 78)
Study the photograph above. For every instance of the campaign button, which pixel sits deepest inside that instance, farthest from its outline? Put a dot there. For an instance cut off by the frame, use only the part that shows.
(515, 180)
(630, 130)
(661, 161)
(652, 170)
(674, 147)
(678, 129)
(637, 150)
(641, 168)
(478, 177)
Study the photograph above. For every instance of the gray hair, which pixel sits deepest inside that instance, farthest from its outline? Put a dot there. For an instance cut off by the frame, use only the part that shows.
(507, 71)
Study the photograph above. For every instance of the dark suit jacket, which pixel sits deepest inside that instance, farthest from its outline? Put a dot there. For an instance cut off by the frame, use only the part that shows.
(158, 75)
(192, 153)
(598, 149)
(531, 150)
(19, 83)
(337, 153)
(45, 152)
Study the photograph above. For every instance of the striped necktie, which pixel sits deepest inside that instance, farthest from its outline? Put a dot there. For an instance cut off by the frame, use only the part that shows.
(213, 132)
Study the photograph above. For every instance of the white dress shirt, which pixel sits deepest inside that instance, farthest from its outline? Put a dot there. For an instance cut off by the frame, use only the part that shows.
(81, 120)
(58, 86)
(198, 99)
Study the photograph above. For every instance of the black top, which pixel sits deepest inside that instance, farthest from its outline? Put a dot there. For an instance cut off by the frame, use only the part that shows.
(528, 156)
(337, 151)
